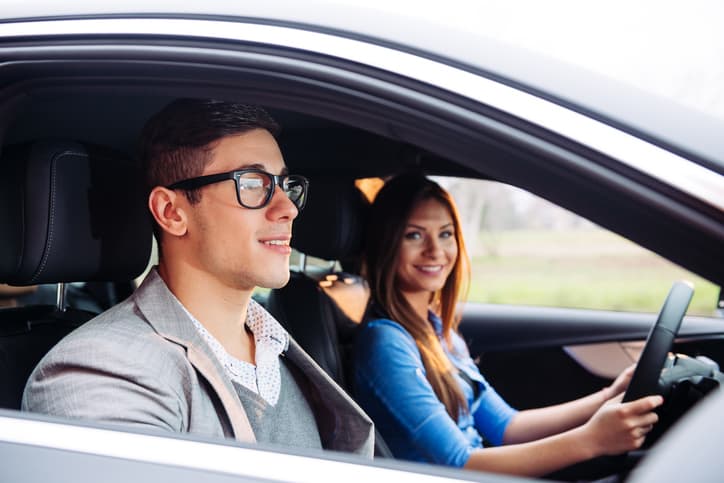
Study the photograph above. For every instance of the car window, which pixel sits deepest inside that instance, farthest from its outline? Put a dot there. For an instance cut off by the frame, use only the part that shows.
(317, 268)
(525, 250)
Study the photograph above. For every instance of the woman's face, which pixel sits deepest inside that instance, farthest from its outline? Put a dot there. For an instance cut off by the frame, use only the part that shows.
(428, 249)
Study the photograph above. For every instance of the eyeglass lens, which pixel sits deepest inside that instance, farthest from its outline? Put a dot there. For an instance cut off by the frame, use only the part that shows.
(254, 189)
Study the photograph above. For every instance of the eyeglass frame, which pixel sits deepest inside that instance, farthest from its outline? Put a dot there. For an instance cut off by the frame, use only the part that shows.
(236, 174)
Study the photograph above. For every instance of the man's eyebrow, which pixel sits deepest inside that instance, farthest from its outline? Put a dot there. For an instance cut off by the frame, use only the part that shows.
(260, 166)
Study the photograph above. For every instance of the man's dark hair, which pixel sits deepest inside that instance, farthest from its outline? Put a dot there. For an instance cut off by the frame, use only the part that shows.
(177, 142)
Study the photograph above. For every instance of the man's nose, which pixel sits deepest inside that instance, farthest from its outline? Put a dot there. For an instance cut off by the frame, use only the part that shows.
(281, 207)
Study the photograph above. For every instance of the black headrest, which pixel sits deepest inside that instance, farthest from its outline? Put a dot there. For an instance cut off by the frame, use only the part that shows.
(332, 224)
(70, 212)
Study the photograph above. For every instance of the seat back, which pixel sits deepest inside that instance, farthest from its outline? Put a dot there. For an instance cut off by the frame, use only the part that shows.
(321, 308)
(68, 213)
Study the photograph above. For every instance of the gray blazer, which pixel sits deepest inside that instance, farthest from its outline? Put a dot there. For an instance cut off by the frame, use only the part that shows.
(143, 363)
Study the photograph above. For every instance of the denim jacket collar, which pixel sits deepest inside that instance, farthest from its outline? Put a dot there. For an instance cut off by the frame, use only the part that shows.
(436, 322)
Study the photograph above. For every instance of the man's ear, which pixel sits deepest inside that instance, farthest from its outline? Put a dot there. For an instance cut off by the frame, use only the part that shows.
(167, 209)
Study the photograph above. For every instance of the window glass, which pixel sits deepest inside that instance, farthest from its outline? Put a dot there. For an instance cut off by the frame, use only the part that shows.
(312, 266)
(525, 250)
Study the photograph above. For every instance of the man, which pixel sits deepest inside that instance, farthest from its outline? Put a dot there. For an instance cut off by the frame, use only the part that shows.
(191, 351)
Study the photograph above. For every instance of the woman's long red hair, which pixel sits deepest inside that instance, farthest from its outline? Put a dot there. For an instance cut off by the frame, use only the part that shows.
(388, 216)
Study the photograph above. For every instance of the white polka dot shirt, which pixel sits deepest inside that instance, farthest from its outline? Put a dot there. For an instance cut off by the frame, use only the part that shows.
(271, 340)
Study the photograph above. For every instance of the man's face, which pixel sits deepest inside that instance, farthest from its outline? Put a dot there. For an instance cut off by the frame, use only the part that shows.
(241, 247)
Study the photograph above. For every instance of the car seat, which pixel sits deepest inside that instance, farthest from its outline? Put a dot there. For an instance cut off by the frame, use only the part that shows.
(322, 307)
(69, 212)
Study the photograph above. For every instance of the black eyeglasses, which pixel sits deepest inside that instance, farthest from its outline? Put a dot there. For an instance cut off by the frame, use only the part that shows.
(254, 187)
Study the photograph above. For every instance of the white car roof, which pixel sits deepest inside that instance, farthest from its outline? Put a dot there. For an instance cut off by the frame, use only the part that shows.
(654, 67)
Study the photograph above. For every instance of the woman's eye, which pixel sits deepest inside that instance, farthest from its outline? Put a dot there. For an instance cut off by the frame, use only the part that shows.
(413, 235)
(447, 234)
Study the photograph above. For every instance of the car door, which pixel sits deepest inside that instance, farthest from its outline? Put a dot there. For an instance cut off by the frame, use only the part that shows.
(557, 305)
(444, 117)
(536, 356)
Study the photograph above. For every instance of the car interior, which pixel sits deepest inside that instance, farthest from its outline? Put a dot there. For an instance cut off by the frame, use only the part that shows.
(330, 227)
(82, 221)
(70, 212)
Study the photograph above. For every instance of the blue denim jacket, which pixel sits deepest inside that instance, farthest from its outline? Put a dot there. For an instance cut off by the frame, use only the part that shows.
(390, 385)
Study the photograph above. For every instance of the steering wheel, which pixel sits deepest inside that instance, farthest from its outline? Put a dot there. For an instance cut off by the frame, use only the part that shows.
(644, 382)
(659, 341)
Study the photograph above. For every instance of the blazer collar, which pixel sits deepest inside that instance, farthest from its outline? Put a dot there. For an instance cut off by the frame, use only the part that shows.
(344, 426)
(342, 423)
(164, 313)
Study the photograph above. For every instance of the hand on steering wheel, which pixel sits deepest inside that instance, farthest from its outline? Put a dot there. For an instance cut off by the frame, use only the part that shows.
(658, 344)
(620, 427)
(620, 384)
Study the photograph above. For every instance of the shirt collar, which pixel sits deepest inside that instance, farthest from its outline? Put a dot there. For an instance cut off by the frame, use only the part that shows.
(265, 328)
(435, 321)
(271, 341)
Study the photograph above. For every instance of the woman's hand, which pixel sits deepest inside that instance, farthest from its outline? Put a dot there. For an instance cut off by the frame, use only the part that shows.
(620, 384)
(619, 427)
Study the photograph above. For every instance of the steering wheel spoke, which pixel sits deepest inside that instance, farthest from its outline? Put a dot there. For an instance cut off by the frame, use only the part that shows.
(659, 342)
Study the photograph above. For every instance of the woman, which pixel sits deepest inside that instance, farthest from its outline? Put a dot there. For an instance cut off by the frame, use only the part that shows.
(415, 377)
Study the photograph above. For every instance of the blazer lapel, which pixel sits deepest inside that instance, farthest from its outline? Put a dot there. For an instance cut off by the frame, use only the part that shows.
(344, 426)
(164, 313)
